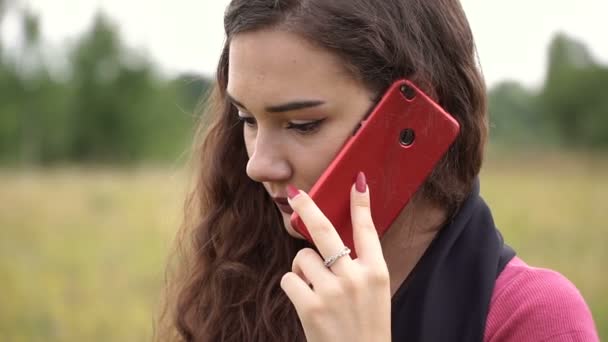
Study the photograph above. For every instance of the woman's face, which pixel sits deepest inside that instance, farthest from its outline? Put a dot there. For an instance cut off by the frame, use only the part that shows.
(299, 106)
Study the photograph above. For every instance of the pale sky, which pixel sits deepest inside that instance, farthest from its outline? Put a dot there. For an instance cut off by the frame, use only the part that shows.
(187, 35)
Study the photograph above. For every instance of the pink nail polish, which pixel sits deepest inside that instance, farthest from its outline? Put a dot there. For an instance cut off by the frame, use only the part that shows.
(361, 184)
(292, 191)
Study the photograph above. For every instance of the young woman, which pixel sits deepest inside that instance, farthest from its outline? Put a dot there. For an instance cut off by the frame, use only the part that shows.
(294, 79)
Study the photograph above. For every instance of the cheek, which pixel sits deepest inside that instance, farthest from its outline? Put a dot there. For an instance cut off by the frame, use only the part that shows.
(311, 161)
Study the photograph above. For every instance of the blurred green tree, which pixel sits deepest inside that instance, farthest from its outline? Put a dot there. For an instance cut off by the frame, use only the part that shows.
(573, 98)
(30, 116)
(32, 105)
(570, 109)
(10, 90)
(514, 115)
(98, 129)
(2, 10)
(110, 106)
(122, 111)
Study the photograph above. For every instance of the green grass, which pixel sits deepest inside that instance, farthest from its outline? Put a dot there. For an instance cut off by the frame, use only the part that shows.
(82, 250)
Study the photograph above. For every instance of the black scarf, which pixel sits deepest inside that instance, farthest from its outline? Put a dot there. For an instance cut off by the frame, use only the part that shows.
(448, 293)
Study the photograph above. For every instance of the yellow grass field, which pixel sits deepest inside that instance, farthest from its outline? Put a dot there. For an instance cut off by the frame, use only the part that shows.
(82, 250)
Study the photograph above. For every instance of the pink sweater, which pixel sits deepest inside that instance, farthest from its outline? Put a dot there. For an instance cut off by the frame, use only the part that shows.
(535, 304)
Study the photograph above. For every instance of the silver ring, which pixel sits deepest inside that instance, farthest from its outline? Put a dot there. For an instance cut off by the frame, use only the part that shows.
(332, 259)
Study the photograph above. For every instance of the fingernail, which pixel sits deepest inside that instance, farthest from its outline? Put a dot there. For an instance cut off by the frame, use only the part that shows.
(292, 191)
(361, 184)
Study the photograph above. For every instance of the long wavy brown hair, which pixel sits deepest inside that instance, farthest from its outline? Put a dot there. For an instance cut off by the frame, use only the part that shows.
(222, 281)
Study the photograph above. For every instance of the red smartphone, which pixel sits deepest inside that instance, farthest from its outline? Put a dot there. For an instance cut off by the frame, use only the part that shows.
(396, 146)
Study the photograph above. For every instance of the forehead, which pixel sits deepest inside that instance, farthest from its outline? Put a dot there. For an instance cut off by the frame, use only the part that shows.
(275, 63)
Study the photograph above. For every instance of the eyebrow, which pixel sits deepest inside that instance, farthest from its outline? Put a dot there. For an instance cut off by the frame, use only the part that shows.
(286, 107)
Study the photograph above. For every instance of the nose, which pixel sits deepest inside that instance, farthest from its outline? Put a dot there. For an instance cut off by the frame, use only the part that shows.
(268, 161)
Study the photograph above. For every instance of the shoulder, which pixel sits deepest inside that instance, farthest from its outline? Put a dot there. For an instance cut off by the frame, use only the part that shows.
(536, 304)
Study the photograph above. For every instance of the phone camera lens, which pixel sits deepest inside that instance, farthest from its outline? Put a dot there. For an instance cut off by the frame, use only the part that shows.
(407, 136)
(408, 92)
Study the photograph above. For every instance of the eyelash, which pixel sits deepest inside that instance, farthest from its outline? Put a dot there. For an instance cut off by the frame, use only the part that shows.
(305, 128)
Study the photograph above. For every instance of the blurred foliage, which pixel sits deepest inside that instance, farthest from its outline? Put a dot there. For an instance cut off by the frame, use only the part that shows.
(109, 106)
(569, 111)
(514, 117)
(574, 94)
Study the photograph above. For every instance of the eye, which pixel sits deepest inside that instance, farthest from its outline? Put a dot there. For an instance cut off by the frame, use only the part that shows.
(248, 120)
(306, 128)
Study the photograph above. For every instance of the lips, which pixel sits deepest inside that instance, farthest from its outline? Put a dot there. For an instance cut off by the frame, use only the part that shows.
(283, 205)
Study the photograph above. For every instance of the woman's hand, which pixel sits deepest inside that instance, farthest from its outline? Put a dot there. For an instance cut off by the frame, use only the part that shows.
(350, 300)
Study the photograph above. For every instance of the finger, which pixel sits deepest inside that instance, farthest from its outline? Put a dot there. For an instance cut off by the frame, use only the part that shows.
(323, 233)
(309, 266)
(298, 291)
(365, 236)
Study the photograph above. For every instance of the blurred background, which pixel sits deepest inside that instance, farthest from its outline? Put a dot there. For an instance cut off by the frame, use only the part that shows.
(97, 105)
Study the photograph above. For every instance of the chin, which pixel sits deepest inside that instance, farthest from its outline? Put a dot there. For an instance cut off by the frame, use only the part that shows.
(289, 228)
